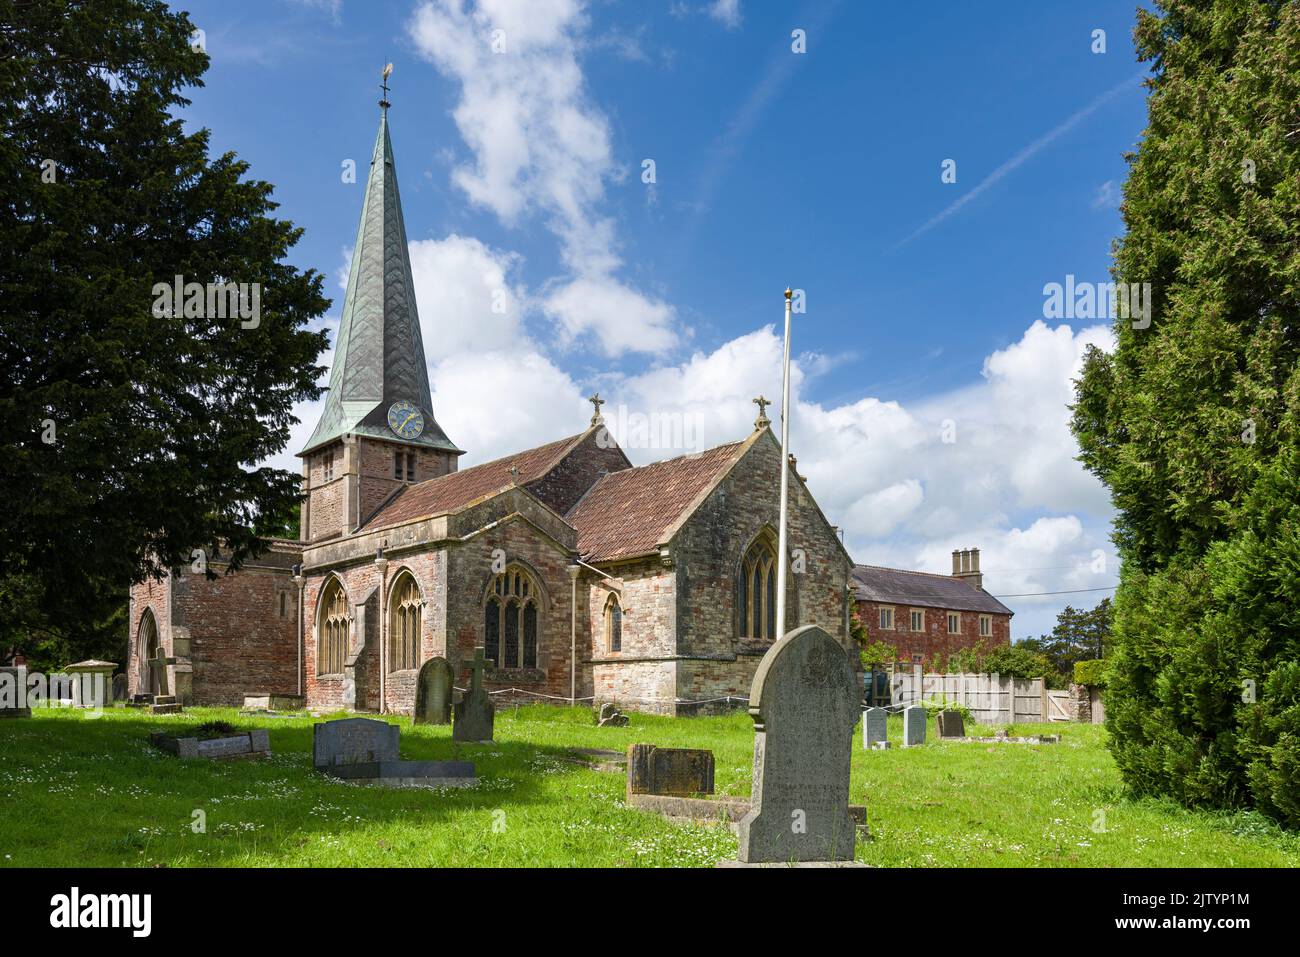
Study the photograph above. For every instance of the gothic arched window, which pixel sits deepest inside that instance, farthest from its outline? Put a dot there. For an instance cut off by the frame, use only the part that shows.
(404, 625)
(613, 624)
(332, 650)
(148, 648)
(510, 620)
(756, 592)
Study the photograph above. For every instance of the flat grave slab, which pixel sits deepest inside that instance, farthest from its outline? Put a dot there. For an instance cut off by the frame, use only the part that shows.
(243, 744)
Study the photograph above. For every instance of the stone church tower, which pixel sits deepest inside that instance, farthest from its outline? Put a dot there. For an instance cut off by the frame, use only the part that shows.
(377, 430)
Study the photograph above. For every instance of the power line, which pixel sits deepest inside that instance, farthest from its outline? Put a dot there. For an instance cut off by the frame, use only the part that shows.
(1073, 591)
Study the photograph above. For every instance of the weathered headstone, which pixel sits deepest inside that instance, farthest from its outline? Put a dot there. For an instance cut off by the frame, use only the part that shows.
(365, 751)
(13, 692)
(353, 741)
(474, 712)
(874, 726)
(950, 724)
(913, 726)
(610, 717)
(804, 702)
(433, 692)
(675, 771)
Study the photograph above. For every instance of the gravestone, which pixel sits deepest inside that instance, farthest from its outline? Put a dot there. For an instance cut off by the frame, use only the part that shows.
(433, 693)
(804, 702)
(913, 726)
(874, 726)
(365, 751)
(610, 717)
(950, 724)
(353, 741)
(674, 771)
(474, 712)
(13, 692)
(164, 702)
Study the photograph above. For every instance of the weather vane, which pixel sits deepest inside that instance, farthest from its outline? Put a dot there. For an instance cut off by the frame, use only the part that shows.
(383, 85)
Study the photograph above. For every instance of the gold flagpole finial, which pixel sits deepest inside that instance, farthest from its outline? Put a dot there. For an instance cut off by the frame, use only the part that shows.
(789, 292)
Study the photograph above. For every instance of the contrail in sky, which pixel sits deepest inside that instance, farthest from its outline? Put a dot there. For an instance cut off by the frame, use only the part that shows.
(1022, 157)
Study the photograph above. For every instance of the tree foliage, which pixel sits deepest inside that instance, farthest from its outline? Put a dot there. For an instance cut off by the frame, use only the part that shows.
(129, 434)
(1192, 420)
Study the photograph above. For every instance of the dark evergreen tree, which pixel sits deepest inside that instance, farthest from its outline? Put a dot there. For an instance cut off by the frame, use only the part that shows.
(129, 433)
(1192, 422)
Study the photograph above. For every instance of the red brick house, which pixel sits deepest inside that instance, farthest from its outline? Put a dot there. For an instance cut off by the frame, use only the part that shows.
(923, 614)
(580, 576)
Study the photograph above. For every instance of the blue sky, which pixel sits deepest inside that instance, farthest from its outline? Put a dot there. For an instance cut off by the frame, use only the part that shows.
(521, 172)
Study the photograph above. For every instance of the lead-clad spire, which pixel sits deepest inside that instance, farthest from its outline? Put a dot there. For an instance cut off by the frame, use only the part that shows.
(378, 354)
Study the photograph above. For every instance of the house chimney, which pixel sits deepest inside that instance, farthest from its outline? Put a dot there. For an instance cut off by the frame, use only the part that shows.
(966, 566)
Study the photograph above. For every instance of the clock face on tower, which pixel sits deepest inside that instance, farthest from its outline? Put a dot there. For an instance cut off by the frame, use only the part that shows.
(405, 419)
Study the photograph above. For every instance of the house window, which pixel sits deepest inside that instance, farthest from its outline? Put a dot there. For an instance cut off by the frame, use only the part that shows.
(954, 623)
(511, 629)
(918, 619)
(986, 626)
(333, 645)
(613, 624)
(404, 625)
(887, 619)
(757, 593)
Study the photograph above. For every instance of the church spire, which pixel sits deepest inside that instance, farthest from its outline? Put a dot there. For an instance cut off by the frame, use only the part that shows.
(379, 361)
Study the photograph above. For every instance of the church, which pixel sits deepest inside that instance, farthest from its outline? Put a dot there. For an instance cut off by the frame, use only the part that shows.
(582, 577)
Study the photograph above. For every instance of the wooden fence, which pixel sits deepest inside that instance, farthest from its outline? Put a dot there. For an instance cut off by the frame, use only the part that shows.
(991, 698)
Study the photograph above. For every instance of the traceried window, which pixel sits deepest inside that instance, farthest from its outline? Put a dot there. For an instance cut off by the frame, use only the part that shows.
(757, 593)
(404, 625)
(333, 647)
(613, 624)
(510, 620)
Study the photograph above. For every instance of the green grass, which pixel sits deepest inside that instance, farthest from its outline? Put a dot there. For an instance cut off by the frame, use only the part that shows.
(78, 792)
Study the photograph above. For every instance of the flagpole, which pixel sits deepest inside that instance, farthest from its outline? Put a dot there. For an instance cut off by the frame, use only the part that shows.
(782, 562)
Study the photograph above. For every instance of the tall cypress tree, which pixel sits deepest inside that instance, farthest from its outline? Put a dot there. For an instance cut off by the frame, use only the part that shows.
(129, 427)
(1193, 420)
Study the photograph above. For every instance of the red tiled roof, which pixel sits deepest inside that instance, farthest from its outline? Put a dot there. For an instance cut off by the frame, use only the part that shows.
(627, 513)
(451, 492)
(923, 589)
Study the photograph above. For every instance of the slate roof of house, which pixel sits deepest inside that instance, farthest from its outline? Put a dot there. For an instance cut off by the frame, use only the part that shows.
(923, 589)
(628, 513)
(452, 492)
(378, 353)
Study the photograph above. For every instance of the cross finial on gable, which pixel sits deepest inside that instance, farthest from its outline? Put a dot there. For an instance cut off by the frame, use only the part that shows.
(596, 402)
(762, 421)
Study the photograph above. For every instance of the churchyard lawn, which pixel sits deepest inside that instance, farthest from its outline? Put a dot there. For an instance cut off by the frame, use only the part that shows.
(86, 793)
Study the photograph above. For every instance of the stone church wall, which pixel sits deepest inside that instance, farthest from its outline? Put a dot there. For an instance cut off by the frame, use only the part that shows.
(469, 575)
(240, 643)
(707, 553)
(640, 676)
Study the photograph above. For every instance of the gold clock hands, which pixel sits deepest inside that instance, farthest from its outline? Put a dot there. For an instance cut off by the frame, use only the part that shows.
(408, 419)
